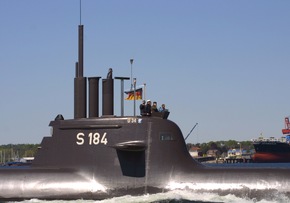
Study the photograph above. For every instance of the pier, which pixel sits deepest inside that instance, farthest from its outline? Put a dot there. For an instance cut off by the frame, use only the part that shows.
(226, 160)
(238, 160)
(205, 159)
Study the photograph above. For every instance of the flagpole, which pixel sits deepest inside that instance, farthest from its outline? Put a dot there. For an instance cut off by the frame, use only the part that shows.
(131, 61)
(144, 94)
(134, 96)
(122, 92)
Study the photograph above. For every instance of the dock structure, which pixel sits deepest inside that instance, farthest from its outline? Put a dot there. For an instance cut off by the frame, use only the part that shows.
(239, 160)
(205, 159)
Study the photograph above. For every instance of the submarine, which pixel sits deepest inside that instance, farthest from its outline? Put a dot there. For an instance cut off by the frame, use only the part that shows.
(96, 157)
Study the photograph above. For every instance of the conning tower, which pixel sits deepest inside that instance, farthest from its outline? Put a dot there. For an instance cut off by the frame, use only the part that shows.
(80, 88)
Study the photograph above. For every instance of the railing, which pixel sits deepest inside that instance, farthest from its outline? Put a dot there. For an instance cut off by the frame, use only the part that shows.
(271, 139)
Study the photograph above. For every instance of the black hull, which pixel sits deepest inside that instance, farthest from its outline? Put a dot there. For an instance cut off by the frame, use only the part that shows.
(66, 184)
(142, 155)
(271, 152)
(275, 147)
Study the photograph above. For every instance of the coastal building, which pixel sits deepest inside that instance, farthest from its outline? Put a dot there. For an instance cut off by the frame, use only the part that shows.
(235, 152)
(213, 153)
(195, 152)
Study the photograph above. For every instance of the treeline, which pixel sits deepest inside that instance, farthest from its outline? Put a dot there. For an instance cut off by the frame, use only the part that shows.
(222, 146)
(13, 152)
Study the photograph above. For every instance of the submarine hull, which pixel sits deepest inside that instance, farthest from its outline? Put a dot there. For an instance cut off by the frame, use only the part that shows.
(111, 157)
(69, 184)
(48, 184)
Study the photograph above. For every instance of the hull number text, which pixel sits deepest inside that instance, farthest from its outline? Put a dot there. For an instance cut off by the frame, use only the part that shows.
(91, 139)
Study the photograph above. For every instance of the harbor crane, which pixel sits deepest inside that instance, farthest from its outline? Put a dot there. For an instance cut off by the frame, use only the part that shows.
(190, 131)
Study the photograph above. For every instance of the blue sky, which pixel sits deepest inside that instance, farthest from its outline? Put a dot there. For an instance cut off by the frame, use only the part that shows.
(222, 64)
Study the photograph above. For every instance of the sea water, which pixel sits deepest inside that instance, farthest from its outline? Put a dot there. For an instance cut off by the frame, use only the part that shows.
(250, 165)
(172, 197)
(178, 196)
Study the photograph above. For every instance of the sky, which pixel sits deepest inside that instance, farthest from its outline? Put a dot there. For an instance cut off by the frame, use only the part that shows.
(221, 64)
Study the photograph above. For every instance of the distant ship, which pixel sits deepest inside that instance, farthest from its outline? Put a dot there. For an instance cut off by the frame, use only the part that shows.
(273, 150)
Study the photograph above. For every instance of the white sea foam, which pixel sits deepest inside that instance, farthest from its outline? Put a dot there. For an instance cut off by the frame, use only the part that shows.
(259, 185)
(177, 195)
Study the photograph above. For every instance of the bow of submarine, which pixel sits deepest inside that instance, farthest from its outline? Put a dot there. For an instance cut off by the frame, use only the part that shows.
(97, 158)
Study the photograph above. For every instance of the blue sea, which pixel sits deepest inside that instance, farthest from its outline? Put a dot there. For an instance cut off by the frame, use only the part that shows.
(177, 196)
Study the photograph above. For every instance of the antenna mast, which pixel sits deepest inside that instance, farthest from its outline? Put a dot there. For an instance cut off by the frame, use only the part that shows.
(80, 12)
(80, 87)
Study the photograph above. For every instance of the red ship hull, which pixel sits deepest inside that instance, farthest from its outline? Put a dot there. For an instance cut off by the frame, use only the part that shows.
(271, 157)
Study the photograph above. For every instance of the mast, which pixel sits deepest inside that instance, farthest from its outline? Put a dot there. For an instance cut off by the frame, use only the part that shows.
(80, 82)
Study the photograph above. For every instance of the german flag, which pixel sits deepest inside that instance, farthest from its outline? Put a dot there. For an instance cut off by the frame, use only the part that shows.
(138, 94)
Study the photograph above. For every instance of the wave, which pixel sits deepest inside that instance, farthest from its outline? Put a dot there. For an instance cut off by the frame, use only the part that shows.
(176, 196)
